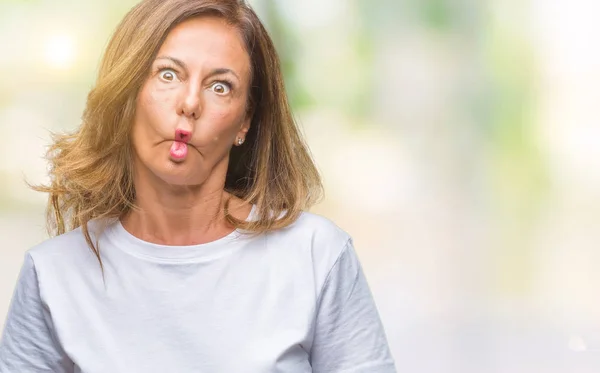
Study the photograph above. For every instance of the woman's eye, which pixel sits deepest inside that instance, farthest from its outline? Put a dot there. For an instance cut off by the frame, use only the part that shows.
(168, 75)
(220, 88)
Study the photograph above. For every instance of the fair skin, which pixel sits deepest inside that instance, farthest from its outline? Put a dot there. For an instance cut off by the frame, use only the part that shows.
(196, 93)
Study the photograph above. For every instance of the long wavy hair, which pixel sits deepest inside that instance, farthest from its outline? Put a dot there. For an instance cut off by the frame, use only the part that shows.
(91, 168)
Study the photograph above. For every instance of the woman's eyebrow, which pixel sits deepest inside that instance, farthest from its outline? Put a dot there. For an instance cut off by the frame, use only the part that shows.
(176, 61)
(222, 71)
(213, 72)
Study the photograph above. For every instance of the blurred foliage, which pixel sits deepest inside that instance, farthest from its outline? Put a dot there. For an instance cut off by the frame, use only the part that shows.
(288, 47)
(519, 178)
(436, 14)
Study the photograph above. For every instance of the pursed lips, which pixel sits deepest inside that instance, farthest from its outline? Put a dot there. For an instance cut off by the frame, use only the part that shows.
(189, 144)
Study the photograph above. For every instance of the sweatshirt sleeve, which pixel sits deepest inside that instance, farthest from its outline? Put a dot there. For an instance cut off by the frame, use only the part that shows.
(28, 342)
(349, 336)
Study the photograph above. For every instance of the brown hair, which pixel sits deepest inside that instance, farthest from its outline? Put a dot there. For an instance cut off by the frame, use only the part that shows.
(91, 168)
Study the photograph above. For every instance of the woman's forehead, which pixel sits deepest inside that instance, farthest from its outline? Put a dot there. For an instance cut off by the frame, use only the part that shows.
(207, 40)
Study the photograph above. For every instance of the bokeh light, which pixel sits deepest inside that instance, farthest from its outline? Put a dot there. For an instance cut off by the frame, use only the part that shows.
(60, 51)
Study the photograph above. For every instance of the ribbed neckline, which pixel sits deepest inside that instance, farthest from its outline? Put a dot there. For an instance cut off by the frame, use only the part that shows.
(133, 245)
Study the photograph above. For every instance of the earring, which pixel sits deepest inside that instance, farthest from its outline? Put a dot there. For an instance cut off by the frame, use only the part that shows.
(240, 141)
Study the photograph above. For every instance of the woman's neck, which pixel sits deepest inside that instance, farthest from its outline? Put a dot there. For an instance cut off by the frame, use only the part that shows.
(181, 216)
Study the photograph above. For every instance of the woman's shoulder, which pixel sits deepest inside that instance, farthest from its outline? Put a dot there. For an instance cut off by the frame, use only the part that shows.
(71, 245)
(318, 235)
(317, 226)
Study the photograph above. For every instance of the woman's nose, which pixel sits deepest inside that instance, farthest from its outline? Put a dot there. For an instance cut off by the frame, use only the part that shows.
(190, 103)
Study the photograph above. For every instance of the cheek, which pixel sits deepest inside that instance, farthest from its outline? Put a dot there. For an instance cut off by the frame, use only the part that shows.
(223, 121)
(155, 109)
(160, 97)
(220, 130)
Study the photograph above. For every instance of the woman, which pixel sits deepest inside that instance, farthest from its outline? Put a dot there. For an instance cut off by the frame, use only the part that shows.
(181, 242)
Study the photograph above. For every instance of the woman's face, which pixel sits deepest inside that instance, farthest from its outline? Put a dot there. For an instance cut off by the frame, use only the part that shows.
(192, 108)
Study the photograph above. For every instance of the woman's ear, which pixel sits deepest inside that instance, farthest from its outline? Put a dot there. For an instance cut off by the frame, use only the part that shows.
(241, 135)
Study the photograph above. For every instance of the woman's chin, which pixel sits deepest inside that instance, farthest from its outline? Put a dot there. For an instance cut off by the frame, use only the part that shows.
(180, 176)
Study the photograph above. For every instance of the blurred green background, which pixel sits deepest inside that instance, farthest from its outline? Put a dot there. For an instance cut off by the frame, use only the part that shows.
(459, 141)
